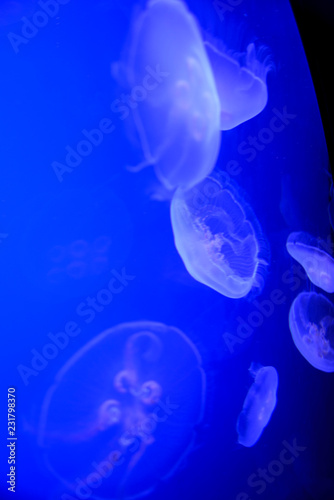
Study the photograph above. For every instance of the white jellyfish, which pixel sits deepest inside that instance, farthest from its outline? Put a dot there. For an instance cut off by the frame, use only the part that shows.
(173, 95)
(241, 83)
(126, 405)
(311, 322)
(259, 404)
(318, 264)
(219, 237)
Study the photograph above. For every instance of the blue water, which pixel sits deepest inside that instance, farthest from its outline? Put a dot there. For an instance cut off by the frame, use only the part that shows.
(87, 244)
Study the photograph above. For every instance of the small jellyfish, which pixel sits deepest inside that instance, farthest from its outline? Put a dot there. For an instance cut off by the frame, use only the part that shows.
(122, 412)
(318, 264)
(173, 95)
(79, 249)
(219, 237)
(240, 82)
(68, 240)
(259, 404)
(311, 322)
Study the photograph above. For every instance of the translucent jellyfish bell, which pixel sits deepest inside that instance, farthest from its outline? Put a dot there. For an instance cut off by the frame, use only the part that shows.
(219, 237)
(122, 411)
(242, 89)
(318, 264)
(259, 404)
(311, 322)
(178, 116)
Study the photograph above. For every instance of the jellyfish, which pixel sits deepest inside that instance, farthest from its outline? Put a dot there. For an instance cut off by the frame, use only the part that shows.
(240, 82)
(173, 98)
(219, 238)
(259, 404)
(318, 264)
(311, 321)
(74, 241)
(122, 412)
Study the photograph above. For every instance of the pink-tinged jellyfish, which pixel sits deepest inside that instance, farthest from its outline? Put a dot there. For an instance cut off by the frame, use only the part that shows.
(122, 412)
(240, 82)
(311, 322)
(219, 237)
(259, 404)
(318, 264)
(173, 95)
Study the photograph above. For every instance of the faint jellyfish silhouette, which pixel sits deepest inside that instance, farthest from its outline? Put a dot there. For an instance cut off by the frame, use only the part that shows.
(102, 245)
(100, 259)
(259, 404)
(77, 269)
(68, 240)
(219, 237)
(122, 412)
(79, 249)
(240, 82)
(173, 98)
(311, 322)
(318, 264)
(57, 253)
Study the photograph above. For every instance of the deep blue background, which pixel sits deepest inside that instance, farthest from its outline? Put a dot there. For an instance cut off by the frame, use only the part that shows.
(58, 84)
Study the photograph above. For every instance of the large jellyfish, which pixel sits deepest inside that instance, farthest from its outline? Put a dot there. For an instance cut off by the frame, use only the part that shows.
(121, 413)
(318, 264)
(259, 404)
(241, 83)
(178, 116)
(311, 322)
(219, 238)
